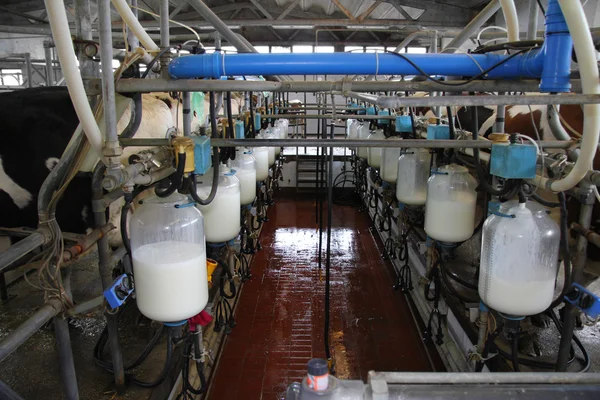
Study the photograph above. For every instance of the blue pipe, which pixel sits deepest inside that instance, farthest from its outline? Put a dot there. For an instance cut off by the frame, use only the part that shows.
(551, 62)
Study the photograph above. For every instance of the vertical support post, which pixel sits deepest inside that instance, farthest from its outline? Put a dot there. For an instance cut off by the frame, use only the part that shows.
(187, 113)
(49, 66)
(83, 31)
(65, 358)
(112, 148)
(500, 118)
(585, 219)
(131, 38)
(104, 266)
(532, 27)
(28, 70)
(165, 40)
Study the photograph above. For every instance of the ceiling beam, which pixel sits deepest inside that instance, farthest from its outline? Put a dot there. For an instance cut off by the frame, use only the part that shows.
(344, 10)
(402, 11)
(437, 12)
(287, 10)
(273, 31)
(368, 11)
(261, 9)
(23, 15)
(177, 9)
(309, 22)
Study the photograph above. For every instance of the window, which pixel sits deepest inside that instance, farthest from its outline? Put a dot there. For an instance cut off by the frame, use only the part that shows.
(416, 50)
(279, 49)
(262, 49)
(302, 49)
(324, 49)
(229, 49)
(393, 48)
(11, 77)
(209, 50)
(374, 49)
(354, 49)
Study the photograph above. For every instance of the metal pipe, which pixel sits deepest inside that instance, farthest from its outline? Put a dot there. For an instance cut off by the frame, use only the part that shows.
(471, 101)
(105, 269)
(28, 70)
(20, 249)
(559, 132)
(533, 20)
(473, 26)
(133, 40)
(464, 378)
(187, 114)
(164, 24)
(83, 31)
(407, 143)
(221, 27)
(108, 86)
(49, 66)
(585, 221)
(196, 85)
(66, 363)
(590, 235)
(24, 331)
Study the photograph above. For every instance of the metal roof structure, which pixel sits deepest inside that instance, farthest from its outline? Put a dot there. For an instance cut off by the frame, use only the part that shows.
(279, 22)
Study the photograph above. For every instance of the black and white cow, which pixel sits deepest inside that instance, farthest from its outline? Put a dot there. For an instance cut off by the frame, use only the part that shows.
(35, 128)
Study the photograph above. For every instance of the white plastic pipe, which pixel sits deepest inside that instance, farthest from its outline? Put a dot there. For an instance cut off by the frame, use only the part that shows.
(512, 19)
(133, 24)
(588, 69)
(57, 16)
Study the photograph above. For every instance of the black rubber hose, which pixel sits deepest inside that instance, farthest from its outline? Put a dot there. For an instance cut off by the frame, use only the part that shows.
(167, 366)
(123, 222)
(564, 246)
(515, 353)
(175, 179)
(136, 118)
(154, 60)
(230, 119)
(521, 193)
(253, 132)
(543, 202)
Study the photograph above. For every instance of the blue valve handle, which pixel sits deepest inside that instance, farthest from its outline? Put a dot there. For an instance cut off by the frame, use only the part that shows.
(583, 299)
(119, 291)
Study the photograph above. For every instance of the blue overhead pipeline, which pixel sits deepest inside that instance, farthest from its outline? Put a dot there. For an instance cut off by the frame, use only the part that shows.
(551, 62)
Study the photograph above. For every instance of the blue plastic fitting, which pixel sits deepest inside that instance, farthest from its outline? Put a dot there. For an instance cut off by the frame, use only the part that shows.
(585, 300)
(239, 129)
(202, 154)
(438, 132)
(513, 161)
(118, 291)
(404, 124)
(558, 47)
(383, 121)
(257, 121)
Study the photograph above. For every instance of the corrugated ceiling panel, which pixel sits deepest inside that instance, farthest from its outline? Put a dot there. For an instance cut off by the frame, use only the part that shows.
(356, 7)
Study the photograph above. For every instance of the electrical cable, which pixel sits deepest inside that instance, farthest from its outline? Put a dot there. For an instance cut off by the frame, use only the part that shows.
(166, 367)
(478, 76)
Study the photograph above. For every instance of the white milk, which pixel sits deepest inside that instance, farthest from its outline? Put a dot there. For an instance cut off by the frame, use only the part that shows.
(389, 165)
(271, 156)
(262, 163)
(374, 158)
(221, 216)
(517, 297)
(412, 197)
(170, 280)
(450, 220)
(247, 179)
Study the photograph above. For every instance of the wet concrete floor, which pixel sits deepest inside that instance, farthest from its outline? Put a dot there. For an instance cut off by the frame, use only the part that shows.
(280, 324)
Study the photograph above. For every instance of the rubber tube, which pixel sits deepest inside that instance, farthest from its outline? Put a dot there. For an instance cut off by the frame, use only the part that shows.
(588, 69)
(512, 19)
(132, 22)
(57, 16)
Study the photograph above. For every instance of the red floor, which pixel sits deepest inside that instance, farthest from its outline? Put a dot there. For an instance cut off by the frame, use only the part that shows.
(280, 312)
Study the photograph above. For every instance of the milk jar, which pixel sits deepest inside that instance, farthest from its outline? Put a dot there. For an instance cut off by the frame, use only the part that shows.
(261, 154)
(169, 259)
(244, 166)
(363, 133)
(374, 153)
(389, 162)
(222, 219)
(450, 205)
(519, 259)
(413, 172)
